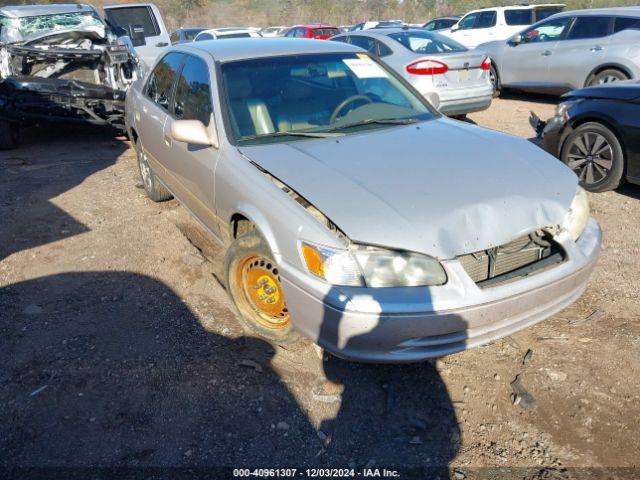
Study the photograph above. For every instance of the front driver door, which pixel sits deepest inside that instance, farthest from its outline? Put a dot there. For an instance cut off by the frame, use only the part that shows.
(527, 63)
(194, 165)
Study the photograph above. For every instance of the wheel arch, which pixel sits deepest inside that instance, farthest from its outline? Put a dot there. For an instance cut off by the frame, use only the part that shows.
(246, 218)
(606, 66)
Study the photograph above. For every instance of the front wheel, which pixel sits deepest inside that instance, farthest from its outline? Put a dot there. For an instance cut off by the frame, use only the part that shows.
(253, 281)
(595, 154)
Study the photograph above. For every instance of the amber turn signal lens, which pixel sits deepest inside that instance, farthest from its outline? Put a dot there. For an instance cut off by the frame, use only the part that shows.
(315, 264)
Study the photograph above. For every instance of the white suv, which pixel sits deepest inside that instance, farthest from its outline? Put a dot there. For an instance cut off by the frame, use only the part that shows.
(498, 23)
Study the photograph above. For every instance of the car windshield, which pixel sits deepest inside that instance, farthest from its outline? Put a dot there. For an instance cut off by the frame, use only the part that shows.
(290, 97)
(427, 43)
(20, 29)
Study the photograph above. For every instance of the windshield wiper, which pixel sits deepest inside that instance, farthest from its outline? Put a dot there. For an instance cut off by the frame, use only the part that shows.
(381, 121)
(291, 134)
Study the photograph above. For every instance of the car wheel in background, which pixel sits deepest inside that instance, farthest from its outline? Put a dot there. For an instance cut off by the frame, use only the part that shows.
(9, 135)
(155, 190)
(253, 281)
(595, 154)
(495, 81)
(607, 76)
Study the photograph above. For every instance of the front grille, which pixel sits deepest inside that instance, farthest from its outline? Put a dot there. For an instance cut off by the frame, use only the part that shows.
(517, 258)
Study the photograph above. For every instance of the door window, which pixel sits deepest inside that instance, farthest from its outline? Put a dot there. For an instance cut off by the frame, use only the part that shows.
(383, 50)
(175, 36)
(161, 80)
(590, 27)
(204, 36)
(486, 19)
(468, 22)
(546, 12)
(126, 16)
(519, 16)
(193, 92)
(549, 31)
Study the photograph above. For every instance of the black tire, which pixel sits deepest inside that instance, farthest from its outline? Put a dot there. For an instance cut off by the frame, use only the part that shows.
(606, 77)
(251, 253)
(495, 81)
(9, 135)
(595, 154)
(152, 185)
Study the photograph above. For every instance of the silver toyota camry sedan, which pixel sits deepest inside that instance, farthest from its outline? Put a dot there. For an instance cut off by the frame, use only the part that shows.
(352, 211)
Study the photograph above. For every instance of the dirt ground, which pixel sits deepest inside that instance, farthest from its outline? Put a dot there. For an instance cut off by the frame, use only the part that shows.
(119, 349)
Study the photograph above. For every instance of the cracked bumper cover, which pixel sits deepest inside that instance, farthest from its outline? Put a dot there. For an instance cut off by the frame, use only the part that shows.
(30, 99)
(396, 325)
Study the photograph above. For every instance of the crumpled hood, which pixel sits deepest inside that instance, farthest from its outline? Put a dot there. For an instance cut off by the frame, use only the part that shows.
(93, 33)
(442, 187)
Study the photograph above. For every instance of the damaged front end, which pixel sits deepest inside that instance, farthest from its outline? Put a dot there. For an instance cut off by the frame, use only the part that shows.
(63, 68)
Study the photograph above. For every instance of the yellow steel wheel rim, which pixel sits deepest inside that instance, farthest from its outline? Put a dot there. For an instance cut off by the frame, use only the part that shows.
(262, 292)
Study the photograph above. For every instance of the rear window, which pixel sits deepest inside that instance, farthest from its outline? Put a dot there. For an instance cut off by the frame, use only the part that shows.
(233, 35)
(322, 32)
(590, 27)
(123, 17)
(518, 17)
(542, 13)
(626, 23)
(426, 43)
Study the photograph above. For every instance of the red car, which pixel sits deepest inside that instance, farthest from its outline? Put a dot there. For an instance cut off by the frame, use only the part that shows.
(318, 31)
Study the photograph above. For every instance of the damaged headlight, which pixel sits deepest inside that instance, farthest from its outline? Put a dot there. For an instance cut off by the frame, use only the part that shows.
(562, 110)
(577, 217)
(372, 267)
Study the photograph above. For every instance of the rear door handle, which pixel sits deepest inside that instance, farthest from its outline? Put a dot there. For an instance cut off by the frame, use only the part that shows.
(546, 53)
(162, 44)
(167, 140)
(597, 48)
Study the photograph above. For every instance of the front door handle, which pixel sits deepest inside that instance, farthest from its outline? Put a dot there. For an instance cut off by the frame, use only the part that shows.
(597, 48)
(162, 44)
(546, 53)
(167, 140)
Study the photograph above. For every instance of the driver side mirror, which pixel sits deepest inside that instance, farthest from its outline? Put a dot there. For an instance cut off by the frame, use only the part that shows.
(516, 39)
(194, 132)
(455, 28)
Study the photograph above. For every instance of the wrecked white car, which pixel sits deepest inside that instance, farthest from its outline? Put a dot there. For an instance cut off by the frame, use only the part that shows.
(60, 63)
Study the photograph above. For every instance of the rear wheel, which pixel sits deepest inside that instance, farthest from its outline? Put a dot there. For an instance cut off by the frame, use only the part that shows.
(152, 186)
(253, 282)
(595, 154)
(9, 135)
(606, 77)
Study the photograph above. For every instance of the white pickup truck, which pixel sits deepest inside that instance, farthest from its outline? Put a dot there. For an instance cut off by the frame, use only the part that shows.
(143, 24)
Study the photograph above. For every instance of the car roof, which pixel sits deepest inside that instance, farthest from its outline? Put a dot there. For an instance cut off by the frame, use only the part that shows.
(314, 25)
(631, 11)
(384, 32)
(247, 48)
(519, 7)
(52, 9)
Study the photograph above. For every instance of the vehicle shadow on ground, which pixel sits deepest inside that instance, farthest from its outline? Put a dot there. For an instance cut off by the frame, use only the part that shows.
(113, 369)
(30, 177)
(530, 97)
(397, 416)
(630, 190)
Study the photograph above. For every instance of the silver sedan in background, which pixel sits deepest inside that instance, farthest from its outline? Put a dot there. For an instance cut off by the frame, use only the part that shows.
(454, 79)
(351, 210)
(569, 50)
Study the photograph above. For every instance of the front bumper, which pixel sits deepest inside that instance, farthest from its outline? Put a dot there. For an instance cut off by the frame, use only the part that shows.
(33, 99)
(396, 325)
(550, 135)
